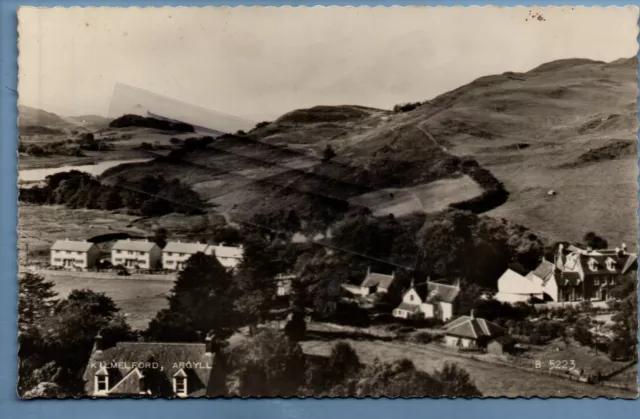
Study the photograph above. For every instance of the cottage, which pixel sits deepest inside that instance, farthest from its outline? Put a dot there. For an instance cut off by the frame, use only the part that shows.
(514, 288)
(429, 300)
(471, 332)
(283, 284)
(74, 254)
(376, 283)
(138, 254)
(176, 254)
(228, 256)
(152, 369)
(578, 274)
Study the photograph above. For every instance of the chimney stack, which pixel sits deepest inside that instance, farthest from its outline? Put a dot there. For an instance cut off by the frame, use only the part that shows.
(98, 342)
(473, 314)
(209, 345)
(624, 248)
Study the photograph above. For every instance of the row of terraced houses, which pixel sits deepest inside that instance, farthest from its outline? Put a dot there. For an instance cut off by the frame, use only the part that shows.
(140, 254)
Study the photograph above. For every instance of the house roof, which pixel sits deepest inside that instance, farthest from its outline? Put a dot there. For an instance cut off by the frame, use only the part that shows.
(375, 279)
(226, 251)
(620, 262)
(544, 271)
(473, 328)
(166, 359)
(442, 292)
(412, 308)
(512, 282)
(134, 245)
(72, 245)
(567, 278)
(189, 248)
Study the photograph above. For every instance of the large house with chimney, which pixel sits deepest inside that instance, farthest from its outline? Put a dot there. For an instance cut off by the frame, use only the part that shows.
(71, 254)
(575, 275)
(429, 300)
(136, 254)
(152, 369)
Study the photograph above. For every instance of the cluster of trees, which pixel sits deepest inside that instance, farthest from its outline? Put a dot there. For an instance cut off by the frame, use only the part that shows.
(56, 336)
(68, 147)
(406, 107)
(494, 193)
(130, 120)
(149, 196)
(271, 365)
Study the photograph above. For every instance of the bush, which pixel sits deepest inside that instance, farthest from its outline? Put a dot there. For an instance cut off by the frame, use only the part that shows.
(406, 107)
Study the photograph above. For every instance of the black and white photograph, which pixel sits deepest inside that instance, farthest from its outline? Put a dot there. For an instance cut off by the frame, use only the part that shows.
(327, 202)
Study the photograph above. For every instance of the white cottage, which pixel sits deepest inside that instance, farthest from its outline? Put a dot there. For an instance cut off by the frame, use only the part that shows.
(514, 288)
(429, 300)
(471, 332)
(137, 254)
(73, 254)
(376, 283)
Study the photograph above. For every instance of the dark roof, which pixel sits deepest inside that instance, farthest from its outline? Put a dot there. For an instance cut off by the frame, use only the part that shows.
(442, 292)
(375, 279)
(189, 248)
(564, 279)
(125, 363)
(473, 328)
(544, 271)
(619, 262)
(134, 245)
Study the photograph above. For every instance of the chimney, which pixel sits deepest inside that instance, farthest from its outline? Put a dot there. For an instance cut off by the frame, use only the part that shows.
(209, 345)
(368, 270)
(412, 283)
(473, 314)
(457, 283)
(624, 248)
(393, 274)
(199, 334)
(98, 343)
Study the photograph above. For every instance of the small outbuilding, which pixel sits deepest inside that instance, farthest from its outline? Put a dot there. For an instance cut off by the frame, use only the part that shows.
(502, 345)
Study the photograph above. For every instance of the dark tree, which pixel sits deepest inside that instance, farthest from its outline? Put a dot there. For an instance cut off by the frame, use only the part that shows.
(160, 237)
(201, 300)
(594, 241)
(328, 153)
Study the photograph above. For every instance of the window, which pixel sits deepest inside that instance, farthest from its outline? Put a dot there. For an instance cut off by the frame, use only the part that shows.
(118, 251)
(102, 381)
(170, 253)
(180, 385)
(411, 297)
(56, 260)
(596, 281)
(181, 254)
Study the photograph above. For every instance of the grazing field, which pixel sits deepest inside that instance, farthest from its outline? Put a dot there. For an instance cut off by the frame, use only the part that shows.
(40, 226)
(139, 299)
(491, 379)
(430, 197)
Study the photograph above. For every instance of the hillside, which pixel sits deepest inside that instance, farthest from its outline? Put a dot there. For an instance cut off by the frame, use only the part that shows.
(567, 126)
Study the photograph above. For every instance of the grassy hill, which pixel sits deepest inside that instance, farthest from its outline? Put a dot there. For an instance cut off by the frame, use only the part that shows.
(567, 126)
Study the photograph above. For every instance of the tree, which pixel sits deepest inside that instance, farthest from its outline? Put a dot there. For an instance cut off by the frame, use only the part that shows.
(328, 153)
(201, 300)
(296, 328)
(456, 381)
(594, 241)
(343, 363)
(267, 365)
(256, 282)
(160, 237)
(36, 300)
(625, 329)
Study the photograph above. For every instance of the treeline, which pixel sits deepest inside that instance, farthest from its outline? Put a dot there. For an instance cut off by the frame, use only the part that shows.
(130, 120)
(149, 196)
(494, 193)
(69, 147)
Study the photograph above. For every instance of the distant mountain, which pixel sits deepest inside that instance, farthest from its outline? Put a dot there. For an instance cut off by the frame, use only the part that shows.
(131, 120)
(553, 149)
(30, 118)
(199, 129)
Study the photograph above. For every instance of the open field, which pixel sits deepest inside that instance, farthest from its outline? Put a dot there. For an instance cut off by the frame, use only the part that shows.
(139, 299)
(430, 197)
(491, 379)
(40, 226)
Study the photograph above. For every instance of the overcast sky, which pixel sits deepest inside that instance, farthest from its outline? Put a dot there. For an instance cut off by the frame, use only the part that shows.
(260, 63)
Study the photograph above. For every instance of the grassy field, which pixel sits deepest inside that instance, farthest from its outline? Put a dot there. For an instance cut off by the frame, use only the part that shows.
(139, 299)
(40, 226)
(429, 197)
(492, 380)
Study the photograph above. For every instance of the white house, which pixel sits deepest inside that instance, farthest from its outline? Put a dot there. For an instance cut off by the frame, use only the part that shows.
(228, 256)
(376, 283)
(138, 254)
(283, 284)
(429, 300)
(74, 254)
(471, 332)
(513, 287)
(176, 254)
